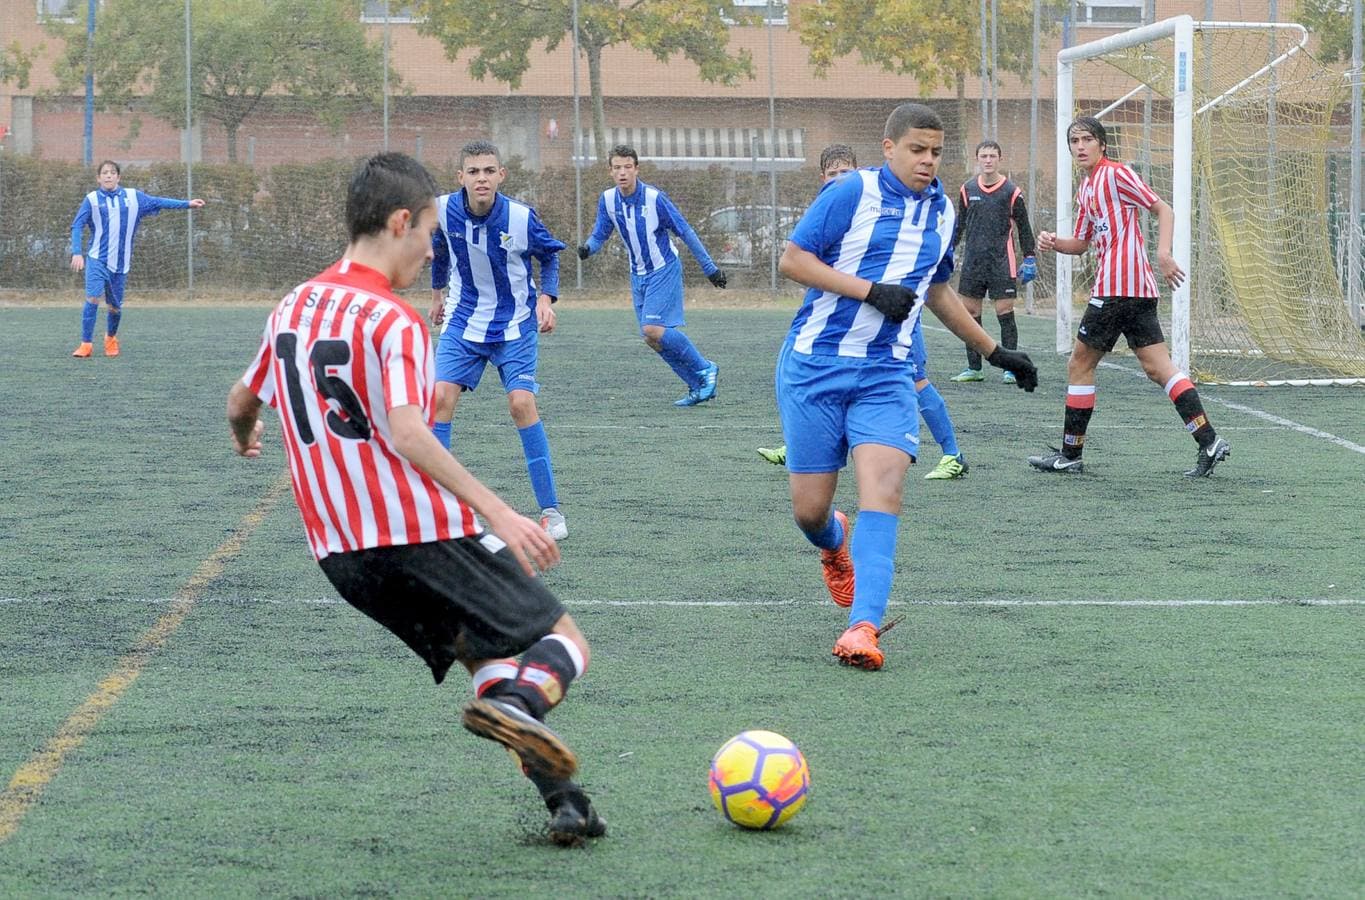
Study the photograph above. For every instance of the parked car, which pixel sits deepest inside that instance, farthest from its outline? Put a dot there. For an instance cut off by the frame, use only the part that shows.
(743, 235)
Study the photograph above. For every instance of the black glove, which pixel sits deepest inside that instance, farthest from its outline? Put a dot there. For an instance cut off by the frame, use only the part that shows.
(891, 300)
(583, 251)
(1016, 361)
(718, 278)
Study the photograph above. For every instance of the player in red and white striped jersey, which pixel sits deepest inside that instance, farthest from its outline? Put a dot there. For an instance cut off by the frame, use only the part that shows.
(389, 513)
(1124, 299)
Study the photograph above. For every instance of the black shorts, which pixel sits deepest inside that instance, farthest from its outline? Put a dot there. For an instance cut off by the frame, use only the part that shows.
(1108, 317)
(977, 283)
(448, 600)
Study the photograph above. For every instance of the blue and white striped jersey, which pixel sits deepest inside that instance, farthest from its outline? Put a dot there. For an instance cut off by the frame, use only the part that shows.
(644, 219)
(869, 224)
(492, 288)
(113, 217)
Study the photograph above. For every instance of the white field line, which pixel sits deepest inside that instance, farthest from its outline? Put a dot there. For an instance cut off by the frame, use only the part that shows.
(1259, 413)
(755, 603)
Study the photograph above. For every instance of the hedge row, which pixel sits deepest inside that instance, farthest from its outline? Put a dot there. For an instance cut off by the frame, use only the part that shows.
(270, 228)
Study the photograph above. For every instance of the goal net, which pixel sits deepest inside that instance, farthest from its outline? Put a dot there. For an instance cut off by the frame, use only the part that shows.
(1232, 124)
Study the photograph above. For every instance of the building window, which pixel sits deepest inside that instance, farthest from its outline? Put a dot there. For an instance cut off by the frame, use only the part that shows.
(1112, 13)
(776, 13)
(373, 12)
(57, 10)
(701, 147)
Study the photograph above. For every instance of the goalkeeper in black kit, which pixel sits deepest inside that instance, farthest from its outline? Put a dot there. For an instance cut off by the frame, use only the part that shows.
(990, 213)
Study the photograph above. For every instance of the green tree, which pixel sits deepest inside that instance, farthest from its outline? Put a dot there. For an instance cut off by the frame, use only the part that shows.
(502, 34)
(15, 65)
(314, 51)
(936, 42)
(1331, 21)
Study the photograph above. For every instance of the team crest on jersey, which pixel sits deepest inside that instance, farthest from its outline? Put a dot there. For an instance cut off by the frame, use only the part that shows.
(505, 240)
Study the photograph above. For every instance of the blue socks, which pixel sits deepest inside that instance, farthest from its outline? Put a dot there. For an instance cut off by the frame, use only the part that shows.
(935, 413)
(112, 318)
(88, 315)
(682, 356)
(874, 554)
(536, 446)
(442, 432)
(829, 537)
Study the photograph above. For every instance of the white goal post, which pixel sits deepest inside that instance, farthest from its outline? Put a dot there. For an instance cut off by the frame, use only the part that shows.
(1234, 121)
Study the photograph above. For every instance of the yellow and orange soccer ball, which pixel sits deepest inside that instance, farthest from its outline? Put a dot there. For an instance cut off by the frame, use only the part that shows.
(759, 779)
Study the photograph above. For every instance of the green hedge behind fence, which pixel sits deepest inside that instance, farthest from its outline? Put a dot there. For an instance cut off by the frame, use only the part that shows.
(268, 229)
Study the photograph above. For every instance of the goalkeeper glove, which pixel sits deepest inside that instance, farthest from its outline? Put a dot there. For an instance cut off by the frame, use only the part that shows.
(583, 251)
(891, 300)
(1028, 270)
(718, 278)
(1025, 372)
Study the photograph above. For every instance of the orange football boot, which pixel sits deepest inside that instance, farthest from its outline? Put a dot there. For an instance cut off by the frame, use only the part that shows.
(84, 351)
(110, 345)
(858, 647)
(838, 567)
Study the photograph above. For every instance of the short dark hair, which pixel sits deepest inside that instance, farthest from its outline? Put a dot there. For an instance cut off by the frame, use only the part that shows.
(623, 150)
(381, 184)
(837, 153)
(988, 144)
(479, 148)
(908, 116)
(1094, 127)
(108, 162)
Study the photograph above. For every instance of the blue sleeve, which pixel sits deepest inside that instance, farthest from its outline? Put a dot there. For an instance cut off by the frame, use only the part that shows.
(78, 226)
(829, 217)
(440, 258)
(147, 205)
(602, 228)
(669, 217)
(545, 247)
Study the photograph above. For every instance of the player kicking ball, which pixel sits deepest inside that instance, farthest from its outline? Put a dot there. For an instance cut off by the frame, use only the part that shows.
(389, 512)
(1123, 300)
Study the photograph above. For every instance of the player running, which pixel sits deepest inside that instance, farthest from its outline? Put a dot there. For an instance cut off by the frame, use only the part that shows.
(389, 513)
(873, 248)
(1123, 300)
(644, 215)
(112, 214)
(835, 160)
(494, 312)
(990, 213)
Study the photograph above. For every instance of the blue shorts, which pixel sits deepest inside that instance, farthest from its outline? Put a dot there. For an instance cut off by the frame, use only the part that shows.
(658, 296)
(919, 357)
(100, 282)
(831, 404)
(462, 362)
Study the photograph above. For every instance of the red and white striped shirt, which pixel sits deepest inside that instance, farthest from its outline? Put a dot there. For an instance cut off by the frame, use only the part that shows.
(338, 353)
(1107, 215)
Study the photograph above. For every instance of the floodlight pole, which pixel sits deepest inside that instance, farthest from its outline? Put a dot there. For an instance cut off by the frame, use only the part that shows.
(574, 153)
(386, 76)
(89, 133)
(189, 153)
(1353, 293)
(772, 156)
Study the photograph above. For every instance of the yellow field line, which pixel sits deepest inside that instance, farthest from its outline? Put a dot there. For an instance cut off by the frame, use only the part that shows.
(33, 777)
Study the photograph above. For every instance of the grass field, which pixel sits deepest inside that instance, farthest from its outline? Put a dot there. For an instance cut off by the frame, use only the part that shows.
(1123, 683)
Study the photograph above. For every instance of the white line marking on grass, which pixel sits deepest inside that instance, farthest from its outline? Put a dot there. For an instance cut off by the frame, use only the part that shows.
(1258, 413)
(33, 777)
(325, 601)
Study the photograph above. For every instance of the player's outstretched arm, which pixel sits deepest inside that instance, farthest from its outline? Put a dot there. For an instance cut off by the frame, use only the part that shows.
(947, 306)
(244, 418)
(529, 543)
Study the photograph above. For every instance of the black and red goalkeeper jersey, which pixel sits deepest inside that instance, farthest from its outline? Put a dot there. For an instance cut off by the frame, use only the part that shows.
(989, 218)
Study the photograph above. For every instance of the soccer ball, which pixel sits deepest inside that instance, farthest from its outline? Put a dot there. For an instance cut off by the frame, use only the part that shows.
(759, 779)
